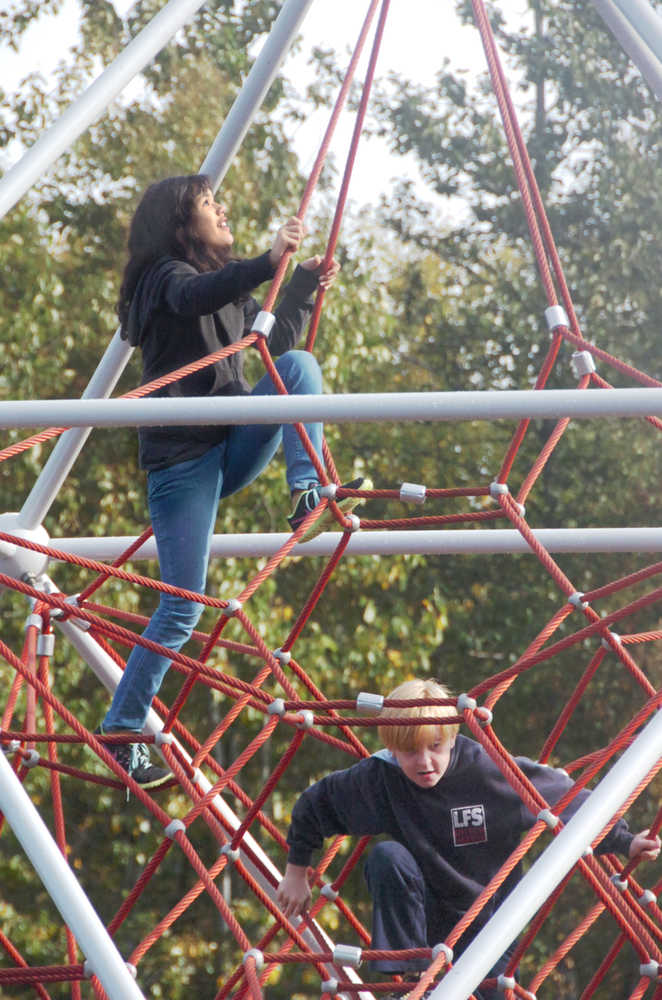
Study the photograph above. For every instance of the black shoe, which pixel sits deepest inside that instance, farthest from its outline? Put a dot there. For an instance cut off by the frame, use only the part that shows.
(307, 500)
(135, 759)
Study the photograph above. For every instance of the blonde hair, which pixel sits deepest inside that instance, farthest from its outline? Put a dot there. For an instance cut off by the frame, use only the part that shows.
(407, 737)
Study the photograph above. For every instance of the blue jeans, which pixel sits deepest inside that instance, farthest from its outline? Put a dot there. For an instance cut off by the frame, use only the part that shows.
(406, 915)
(183, 503)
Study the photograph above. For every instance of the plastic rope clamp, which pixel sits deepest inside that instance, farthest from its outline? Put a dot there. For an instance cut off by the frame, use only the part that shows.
(263, 323)
(555, 316)
(650, 969)
(256, 955)
(31, 759)
(588, 852)
(347, 954)
(133, 971)
(647, 897)
(45, 644)
(582, 363)
(620, 884)
(277, 707)
(505, 983)
(443, 949)
(162, 738)
(612, 635)
(354, 522)
(78, 622)
(370, 703)
(232, 608)
(484, 716)
(465, 702)
(231, 853)
(282, 656)
(33, 621)
(329, 492)
(498, 490)
(174, 827)
(577, 600)
(88, 971)
(329, 986)
(306, 719)
(548, 818)
(329, 892)
(413, 493)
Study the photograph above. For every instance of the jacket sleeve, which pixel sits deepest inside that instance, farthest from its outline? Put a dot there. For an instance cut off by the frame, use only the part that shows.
(553, 784)
(341, 803)
(292, 312)
(189, 293)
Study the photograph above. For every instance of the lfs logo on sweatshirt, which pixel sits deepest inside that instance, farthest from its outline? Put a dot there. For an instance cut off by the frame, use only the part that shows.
(469, 825)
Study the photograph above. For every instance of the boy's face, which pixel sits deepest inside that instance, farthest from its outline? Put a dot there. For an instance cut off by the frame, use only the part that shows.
(427, 765)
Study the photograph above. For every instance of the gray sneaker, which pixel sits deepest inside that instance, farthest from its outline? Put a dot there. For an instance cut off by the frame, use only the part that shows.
(305, 501)
(135, 759)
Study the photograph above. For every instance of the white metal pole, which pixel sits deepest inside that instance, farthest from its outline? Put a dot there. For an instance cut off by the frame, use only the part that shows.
(644, 20)
(109, 674)
(216, 163)
(255, 88)
(553, 865)
(358, 407)
(87, 108)
(631, 42)
(103, 959)
(257, 545)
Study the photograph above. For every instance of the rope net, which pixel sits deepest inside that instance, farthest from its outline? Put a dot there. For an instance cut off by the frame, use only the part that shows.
(268, 693)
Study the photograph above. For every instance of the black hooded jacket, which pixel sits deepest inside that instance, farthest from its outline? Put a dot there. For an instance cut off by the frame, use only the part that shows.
(460, 831)
(179, 315)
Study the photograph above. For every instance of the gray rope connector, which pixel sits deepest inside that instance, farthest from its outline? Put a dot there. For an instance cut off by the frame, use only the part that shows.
(256, 955)
(347, 954)
(582, 363)
(233, 606)
(556, 316)
(263, 323)
(174, 827)
(369, 703)
(443, 949)
(413, 493)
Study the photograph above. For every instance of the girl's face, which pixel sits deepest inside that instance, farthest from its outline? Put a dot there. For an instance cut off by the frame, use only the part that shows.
(209, 223)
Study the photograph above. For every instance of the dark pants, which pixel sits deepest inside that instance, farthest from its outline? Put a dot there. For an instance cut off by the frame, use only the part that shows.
(404, 914)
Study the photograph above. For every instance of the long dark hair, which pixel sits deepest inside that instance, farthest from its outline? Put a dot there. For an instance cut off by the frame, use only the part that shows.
(160, 228)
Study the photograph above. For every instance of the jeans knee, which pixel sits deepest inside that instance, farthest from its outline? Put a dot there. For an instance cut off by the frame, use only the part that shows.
(302, 370)
(389, 861)
(174, 622)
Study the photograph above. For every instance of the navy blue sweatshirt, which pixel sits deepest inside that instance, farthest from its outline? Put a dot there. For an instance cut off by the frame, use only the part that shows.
(179, 315)
(460, 832)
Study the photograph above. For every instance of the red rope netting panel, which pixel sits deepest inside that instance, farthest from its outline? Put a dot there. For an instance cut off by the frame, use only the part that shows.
(270, 693)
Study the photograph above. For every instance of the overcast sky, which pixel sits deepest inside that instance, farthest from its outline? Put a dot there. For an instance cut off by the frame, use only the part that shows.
(419, 35)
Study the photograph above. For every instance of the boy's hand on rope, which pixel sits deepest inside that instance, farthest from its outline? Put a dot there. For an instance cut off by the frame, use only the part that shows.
(288, 239)
(293, 894)
(644, 847)
(325, 275)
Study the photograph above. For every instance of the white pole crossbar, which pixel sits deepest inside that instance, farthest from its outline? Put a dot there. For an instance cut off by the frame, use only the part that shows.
(257, 545)
(553, 865)
(346, 408)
